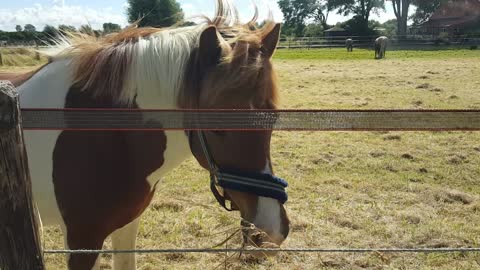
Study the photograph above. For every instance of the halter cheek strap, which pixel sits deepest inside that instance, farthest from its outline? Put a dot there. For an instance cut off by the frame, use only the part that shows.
(260, 184)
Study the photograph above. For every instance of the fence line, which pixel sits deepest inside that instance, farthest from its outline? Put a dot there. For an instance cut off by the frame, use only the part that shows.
(287, 120)
(266, 250)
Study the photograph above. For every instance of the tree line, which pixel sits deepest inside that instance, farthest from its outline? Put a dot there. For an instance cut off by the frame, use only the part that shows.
(300, 16)
(156, 13)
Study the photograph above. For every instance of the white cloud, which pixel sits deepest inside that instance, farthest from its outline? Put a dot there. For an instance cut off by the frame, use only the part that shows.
(195, 8)
(58, 13)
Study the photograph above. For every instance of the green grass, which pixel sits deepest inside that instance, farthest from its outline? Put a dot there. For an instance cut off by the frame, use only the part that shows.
(363, 54)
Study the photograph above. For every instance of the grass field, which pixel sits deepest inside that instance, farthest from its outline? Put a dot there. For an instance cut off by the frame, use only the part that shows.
(19, 58)
(367, 189)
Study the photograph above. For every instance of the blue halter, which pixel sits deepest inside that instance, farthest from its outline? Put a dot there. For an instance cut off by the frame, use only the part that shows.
(260, 184)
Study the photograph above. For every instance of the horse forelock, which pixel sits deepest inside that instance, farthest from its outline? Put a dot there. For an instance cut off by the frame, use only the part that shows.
(242, 77)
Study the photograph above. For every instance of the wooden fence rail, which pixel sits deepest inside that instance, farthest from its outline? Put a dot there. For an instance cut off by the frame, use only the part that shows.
(19, 237)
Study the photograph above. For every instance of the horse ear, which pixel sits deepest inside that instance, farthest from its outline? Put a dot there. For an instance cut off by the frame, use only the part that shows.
(270, 41)
(210, 51)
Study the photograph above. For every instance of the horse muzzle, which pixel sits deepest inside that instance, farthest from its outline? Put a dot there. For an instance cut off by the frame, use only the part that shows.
(255, 238)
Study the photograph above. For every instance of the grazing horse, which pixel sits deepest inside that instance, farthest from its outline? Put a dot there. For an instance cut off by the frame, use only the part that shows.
(96, 184)
(349, 45)
(380, 47)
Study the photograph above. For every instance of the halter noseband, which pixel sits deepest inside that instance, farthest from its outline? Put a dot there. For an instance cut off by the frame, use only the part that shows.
(260, 184)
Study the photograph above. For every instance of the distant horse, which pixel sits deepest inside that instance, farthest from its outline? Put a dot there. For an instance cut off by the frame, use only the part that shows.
(96, 184)
(381, 47)
(349, 44)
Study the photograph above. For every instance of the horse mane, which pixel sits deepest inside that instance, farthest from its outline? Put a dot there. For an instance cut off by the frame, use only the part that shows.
(100, 64)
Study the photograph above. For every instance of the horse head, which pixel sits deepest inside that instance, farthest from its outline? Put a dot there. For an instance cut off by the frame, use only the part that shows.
(237, 73)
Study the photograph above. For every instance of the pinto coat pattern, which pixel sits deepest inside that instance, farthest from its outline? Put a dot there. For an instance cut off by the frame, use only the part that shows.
(96, 184)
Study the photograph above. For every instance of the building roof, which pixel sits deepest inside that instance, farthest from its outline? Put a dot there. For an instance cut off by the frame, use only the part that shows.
(454, 14)
(336, 29)
(457, 9)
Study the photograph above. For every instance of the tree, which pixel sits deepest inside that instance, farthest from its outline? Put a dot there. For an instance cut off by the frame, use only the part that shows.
(313, 30)
(425, 9)
(111, 28)
(66, 28)
(18, 28)
(50, 31)
(401, 8)
(85, 29)
(361, 9)
(156, 13)
(356, 26)
(295, 13)
(321, 12)
(390, 27)
(29, 28)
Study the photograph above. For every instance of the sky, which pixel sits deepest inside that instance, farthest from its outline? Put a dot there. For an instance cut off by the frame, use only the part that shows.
(96, 12)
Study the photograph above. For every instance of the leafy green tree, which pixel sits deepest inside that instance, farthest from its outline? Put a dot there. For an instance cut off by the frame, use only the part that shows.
(362, 9)
(313, 30)
(50, 31)
(295, 13)
(156, 13)
(425, 9)
(66, 28)
(29, 28)
(356, 26)
(321, 12)
(86, 29)
(111, 28)
(390, 27)
(18, 28)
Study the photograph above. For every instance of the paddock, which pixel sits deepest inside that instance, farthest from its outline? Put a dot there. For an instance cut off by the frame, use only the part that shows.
(347, 190)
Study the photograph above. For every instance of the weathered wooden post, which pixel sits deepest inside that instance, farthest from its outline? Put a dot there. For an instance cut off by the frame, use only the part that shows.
(1, 58)
(19, 237)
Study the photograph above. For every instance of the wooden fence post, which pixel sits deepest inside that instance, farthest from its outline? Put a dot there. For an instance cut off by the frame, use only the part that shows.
(19, 237)
(1, 58)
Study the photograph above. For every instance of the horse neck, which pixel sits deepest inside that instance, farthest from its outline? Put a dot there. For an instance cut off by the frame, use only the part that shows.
(159, 65)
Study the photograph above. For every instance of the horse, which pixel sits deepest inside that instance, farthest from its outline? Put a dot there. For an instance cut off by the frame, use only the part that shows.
(97, 184)
(381, 47)
(349, 44)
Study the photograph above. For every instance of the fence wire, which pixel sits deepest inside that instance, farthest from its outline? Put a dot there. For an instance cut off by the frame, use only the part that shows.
(312, 120)
(265, 250)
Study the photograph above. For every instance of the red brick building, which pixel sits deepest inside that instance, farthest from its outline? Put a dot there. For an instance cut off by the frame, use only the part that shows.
(454, 18)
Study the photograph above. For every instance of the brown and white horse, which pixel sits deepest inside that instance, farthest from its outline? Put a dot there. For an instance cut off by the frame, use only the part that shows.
(96, 184)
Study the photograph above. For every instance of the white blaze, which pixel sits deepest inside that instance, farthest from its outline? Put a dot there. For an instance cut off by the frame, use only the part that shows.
(268, 215)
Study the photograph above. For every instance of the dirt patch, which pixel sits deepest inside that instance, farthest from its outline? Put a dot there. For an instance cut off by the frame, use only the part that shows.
(167, 206)
(377, 154)
(423, 170)
(457, 159)
(392, 138)
(453, 196)
(424, 86)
